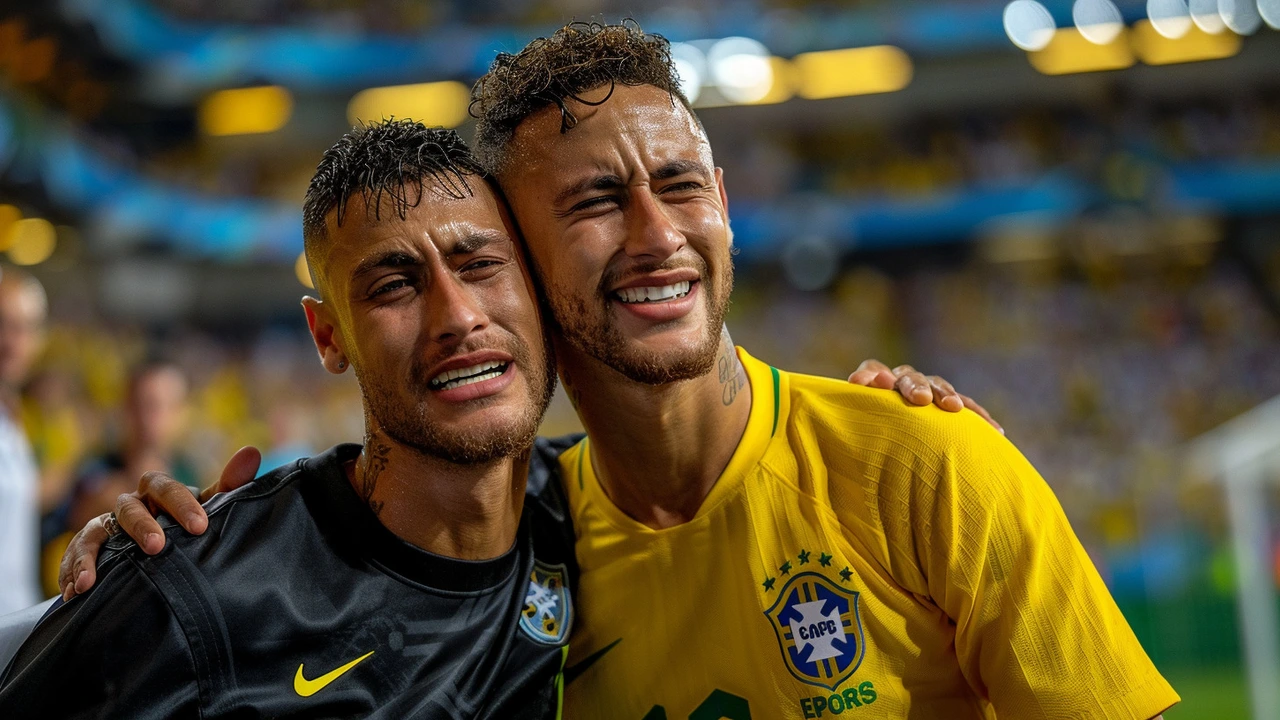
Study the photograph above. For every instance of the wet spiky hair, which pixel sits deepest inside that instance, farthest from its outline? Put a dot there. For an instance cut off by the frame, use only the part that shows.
(392, 159)
(549, 71)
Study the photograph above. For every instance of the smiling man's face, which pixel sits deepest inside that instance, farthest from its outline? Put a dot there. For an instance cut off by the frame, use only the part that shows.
(625, 218)
(437, 318)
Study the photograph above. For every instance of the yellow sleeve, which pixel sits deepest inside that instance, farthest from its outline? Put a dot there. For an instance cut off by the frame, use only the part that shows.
(1037, 632)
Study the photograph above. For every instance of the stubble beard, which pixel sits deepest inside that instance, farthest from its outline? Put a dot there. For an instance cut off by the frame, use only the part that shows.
(412, 425)
(588, 325)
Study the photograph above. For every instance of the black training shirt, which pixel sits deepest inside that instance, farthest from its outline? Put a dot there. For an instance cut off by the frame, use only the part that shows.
(297, 602)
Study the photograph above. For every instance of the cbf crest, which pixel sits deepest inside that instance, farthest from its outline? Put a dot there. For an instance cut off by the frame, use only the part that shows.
(548, 610)
(818, 629)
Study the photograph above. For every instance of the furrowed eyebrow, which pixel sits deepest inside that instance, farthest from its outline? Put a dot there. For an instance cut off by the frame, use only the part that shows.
(598, 182)
(393, 259)
(676, 168)
(475, 242)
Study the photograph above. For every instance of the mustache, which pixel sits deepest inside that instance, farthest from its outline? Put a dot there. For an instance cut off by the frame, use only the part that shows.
(614, 276)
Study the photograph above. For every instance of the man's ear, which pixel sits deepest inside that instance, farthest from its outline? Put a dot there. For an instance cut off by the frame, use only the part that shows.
(324, 331)
(724, 202)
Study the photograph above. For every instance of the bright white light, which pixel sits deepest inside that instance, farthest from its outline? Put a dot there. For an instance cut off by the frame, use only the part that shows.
(741, 69)
(691, 68)
(1240, 15)
(1206, 16)
(1028, 24)
(1270, 11)
(1099, 21)
(1170, 18)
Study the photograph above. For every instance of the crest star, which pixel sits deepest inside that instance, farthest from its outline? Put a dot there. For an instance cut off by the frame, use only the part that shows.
(824, 559)
(804, 557)
(845, 574)
(768, 583)
(786, 568)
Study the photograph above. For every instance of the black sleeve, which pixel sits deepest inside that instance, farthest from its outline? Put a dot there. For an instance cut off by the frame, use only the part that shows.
(117, 652)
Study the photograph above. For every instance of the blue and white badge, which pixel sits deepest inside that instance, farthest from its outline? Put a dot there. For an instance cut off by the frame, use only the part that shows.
(818, 629)
(548, 609)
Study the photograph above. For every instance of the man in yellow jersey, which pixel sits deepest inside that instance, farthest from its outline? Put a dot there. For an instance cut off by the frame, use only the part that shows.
(752, 542)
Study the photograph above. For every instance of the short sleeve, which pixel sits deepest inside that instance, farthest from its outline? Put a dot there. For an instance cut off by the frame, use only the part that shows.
(117, 652)
(1037, 631)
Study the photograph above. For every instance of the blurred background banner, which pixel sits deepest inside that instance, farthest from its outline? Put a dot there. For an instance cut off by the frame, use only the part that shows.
(1070, 209)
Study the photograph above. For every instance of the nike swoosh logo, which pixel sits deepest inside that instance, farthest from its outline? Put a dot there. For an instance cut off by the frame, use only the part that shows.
(572, 672)
(307, 688)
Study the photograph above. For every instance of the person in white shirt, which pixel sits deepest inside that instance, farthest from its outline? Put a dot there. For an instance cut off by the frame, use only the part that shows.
(23, 308)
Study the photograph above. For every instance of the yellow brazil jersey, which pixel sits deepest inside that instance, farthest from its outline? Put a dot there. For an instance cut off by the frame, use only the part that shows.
(857, 558)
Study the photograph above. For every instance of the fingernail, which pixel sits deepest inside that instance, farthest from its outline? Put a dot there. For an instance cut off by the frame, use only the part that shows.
(68, 592)
(149, 540)
(82, 577)
(193, 520)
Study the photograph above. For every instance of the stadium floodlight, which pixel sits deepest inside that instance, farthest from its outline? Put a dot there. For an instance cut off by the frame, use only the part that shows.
(31, 241)
(1028, 24)
(855, 71)
(1153, 48)
(1241, 16)
(245, 111)
(1070, 52)
(784, 83)
(1170, 18)
(1206, 16)
(691, 68)
(436, 103)
(740, 69)
(1270, 11)
(1099, 21)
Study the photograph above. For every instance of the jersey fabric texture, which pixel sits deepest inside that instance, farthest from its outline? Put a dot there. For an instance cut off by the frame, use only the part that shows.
(858, 558)
(297, 602)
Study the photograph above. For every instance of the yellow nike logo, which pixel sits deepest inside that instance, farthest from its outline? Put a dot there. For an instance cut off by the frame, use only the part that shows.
(307, 688)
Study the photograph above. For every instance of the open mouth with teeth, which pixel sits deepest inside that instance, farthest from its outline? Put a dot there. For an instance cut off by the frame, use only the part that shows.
(661, 293)
(451, 379)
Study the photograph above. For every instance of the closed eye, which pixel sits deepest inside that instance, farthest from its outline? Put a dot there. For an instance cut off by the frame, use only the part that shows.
(481, 265)
(683, 187)
(595, 203)
(393, 284)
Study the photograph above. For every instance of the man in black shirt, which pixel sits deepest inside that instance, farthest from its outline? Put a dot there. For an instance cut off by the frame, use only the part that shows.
(410, 577)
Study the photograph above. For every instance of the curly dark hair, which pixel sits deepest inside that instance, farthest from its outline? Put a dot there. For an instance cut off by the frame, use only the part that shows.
(579, 57)
(392, 158)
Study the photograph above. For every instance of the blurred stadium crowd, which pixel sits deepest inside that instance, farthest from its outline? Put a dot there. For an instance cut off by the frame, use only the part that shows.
(1099, 369)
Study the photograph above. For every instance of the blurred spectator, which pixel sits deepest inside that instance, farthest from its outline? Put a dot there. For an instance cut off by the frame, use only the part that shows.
(290, 431)
(22, 314)
(155, 416)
